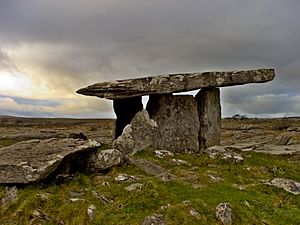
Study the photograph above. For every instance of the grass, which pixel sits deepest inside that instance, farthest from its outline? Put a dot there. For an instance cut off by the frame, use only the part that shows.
(241, 185)
(7, 142)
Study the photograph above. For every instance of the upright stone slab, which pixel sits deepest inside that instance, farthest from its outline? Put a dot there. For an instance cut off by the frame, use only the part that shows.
(125, 110)
(138, 135)
(177, 120)
(209, 109)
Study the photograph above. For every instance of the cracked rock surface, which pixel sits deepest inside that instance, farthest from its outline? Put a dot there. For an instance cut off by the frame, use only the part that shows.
(32, 161)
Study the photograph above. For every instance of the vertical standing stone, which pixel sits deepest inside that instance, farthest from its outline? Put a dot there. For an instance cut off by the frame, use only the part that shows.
(125, 110)
(209, 110)
(177, 120)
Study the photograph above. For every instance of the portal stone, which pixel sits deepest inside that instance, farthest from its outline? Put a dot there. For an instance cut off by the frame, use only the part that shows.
(209, 109)
(177, 120)
(125, 110)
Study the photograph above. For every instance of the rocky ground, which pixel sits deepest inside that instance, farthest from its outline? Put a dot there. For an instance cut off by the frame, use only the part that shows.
(252, 178)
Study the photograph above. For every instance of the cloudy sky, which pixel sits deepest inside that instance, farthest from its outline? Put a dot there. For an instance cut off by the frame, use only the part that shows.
(49, 49)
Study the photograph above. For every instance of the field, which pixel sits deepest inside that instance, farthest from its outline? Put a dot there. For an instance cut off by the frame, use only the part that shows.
(199, 185)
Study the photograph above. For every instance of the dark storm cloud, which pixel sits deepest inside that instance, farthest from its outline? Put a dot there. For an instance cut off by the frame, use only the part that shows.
(81, 42)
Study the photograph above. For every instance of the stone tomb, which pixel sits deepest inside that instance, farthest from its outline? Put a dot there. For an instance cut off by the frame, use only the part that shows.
(184, 122)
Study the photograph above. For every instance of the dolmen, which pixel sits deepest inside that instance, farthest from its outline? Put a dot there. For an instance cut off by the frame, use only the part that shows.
(178, 123)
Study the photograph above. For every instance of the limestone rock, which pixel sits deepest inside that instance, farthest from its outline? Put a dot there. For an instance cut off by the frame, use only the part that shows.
(143, 130)
(153, 169)
(11, 196)
(177, 120)
(209, 110)
(134, 187)
(180, 162)
(91, 211)
(194, 212)
(139, 135)
(171, 83)
(155, 219)
(288, 185)
(102, 197)
(162, 153)
(125, 142)
(105, 159)
(78, 136)
(283, 139)
(126, 177)
(296, 129)
(224, 213)
(34, 160)
(225, 153)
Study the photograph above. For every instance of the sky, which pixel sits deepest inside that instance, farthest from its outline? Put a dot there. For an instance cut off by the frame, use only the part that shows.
(49, 49)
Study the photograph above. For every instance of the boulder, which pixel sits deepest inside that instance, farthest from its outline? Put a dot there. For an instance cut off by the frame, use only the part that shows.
(125, 142)
(105, 159)
(228, 154)
(78, 136)
(32, 161)
(283, 139)
(155, 219)
(162, 153)
(153, 169)
(172, 83)
(287, 184)
(209, 109)
(224, 213)
(177, 120)
(11, 196)
(91, 211)
(134, 187)
(138, 135)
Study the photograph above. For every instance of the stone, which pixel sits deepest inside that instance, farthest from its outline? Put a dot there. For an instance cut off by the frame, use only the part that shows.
(180, 162)
(144, 130)
(74, 200)
(194, 212)
(105, 159)
(10, 196)
(134, 187)
(271, 149)
(155, 219)
(164, 207)
(153, 169)
(224, 213)
(138, 135)
(125, 142)
(91, 211)
(296, 129)
(39, 215)
(287, 184)
(225, 153)
(125, 110)
(148, 167)
(78, 136)
(177, 120)
(209, 109)
(162, 153)
(102, 197)
(171, 83)
(283, 139)
(125, 177)
(33, 161)
(43, 196)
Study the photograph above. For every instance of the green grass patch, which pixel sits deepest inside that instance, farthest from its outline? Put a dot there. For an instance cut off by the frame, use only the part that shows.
(199, 186)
